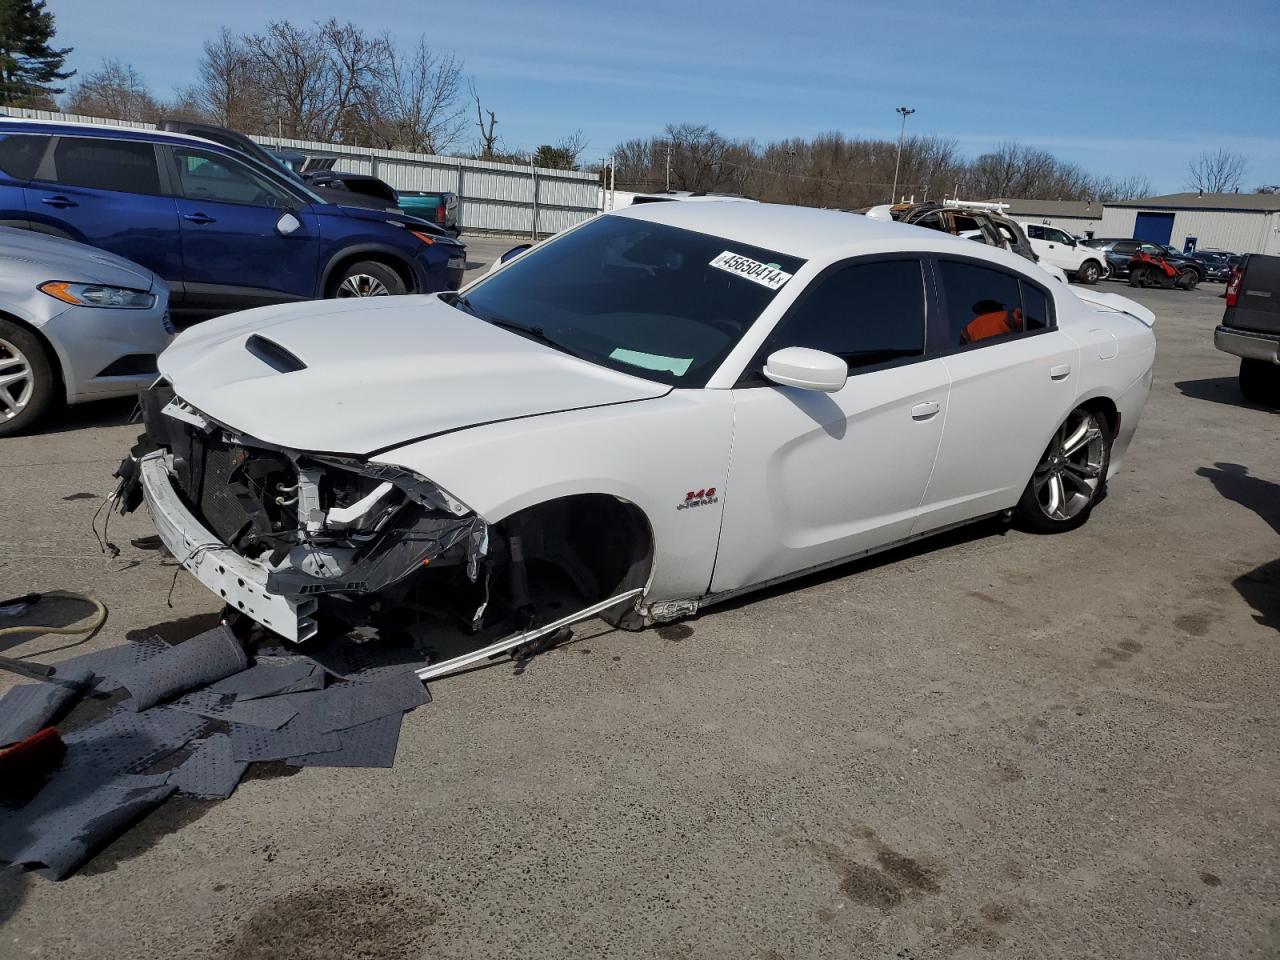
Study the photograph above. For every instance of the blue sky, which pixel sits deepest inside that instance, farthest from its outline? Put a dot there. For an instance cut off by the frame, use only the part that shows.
(1118, 87)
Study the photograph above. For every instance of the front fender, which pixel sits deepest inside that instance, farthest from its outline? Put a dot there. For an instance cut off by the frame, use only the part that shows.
(653, 453)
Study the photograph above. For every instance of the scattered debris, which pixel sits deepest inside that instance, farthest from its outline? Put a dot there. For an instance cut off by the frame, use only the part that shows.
(187, 718)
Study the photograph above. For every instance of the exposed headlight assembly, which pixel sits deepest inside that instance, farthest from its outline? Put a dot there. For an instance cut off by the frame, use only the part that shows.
(97, 295)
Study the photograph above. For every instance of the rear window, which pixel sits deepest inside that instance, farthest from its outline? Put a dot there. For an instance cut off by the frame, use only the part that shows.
(20, 154)
(984, 304)
(126, 166)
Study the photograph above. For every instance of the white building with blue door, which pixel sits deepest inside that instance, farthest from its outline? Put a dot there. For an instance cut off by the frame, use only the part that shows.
(1238, 222)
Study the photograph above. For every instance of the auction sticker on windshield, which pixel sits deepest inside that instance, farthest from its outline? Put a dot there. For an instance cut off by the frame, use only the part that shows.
(766, 274)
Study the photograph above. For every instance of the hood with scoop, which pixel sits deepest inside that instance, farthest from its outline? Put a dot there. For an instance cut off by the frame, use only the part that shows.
(365, 375)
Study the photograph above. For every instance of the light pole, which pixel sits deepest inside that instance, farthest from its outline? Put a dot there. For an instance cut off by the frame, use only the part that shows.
(906, 112)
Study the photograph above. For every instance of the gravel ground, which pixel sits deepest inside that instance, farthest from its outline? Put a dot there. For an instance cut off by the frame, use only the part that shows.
(991, 744)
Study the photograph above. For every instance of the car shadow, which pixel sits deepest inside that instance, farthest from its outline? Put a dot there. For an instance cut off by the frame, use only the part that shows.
(96, 413)
(1225, 390)
(1260, 588)
(952, 538)
(1234, 482)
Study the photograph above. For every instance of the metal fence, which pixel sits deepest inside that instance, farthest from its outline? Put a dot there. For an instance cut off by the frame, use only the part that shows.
(493, 197)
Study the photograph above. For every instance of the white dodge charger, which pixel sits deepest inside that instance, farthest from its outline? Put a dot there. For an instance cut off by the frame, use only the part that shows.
(660, 408)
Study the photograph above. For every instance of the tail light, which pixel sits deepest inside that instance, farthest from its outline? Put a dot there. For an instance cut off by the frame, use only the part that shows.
(440, 214)
(1233, 286)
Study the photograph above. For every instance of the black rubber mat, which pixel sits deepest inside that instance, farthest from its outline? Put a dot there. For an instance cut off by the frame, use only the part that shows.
(351, 704)
(73, 817)
(269, 712)
(211, 771)
(204, 659)
(270, 679)
(126, 742)
(371, 744)
(291, 740)
(365, 660)
(111, 664)
(29, 708)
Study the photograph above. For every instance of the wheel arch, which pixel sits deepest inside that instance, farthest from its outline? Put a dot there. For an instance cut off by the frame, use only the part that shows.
(603, 542)
(387, 256)
(59, 362)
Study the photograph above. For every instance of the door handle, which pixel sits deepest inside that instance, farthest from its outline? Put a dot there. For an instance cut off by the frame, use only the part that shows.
(1060, 372)
(60, 202)
(925, 411)
(198, 218)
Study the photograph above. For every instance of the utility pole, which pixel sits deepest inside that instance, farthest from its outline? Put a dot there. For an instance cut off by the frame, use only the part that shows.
(668, 166)
(906, 112)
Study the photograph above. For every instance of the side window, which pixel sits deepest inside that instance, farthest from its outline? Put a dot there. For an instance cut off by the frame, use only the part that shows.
(866, 313)
(1057, 236)
(1128, 247)
(211, 176)
(1035, 231)
(126, 166)
(20, 154)
(982, 303)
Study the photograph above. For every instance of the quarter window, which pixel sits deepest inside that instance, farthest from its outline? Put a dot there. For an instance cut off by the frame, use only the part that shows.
(989, 305)
(209, 176)
(865, 313)
(125, 166)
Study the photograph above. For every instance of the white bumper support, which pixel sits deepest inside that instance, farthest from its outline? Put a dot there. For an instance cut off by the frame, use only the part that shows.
(239, 581)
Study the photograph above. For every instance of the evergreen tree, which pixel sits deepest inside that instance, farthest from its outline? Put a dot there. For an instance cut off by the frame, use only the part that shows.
(28, 65)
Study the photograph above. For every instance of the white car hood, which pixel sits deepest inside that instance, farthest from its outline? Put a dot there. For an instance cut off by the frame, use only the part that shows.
(378, 373)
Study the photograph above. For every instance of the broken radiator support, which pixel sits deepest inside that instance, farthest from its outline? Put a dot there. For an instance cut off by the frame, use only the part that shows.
(516, 640)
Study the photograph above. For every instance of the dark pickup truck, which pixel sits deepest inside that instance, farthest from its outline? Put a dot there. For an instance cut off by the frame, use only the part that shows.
(1250, 327)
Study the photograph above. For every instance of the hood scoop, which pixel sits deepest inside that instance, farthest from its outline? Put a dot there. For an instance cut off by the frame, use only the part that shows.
(273, 355)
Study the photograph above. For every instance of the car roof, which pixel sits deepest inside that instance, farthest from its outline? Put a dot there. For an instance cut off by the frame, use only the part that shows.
(68, 127)
(800, 231)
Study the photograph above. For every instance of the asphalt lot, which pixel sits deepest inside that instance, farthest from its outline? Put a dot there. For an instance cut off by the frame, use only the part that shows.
(992, 744)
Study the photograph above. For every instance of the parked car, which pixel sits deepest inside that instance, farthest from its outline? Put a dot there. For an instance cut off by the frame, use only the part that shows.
(1123, 253)
(338, 186)
(76, 324)
(1217, 264)
(689, 410)
(440, 208)
(1080, 263)
(224, 231)
(1250, 327)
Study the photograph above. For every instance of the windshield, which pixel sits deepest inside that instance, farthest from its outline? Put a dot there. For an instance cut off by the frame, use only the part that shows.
(651, 300)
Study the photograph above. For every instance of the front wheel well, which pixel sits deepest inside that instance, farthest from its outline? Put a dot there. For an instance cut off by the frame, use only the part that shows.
(334, 277)
(601, 543)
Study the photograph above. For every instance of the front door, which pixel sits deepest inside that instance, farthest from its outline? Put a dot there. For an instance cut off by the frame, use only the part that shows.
(235, 253)
(109, 194)
(1013, 376)
(817, 477)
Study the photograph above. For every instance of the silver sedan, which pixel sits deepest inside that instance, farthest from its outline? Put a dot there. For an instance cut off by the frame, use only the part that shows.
(76, 324)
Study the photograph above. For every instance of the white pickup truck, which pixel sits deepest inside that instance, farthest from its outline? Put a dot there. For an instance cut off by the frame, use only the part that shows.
(1082, 264)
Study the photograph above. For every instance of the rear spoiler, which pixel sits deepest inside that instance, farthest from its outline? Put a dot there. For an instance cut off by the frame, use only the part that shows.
(1115, 303)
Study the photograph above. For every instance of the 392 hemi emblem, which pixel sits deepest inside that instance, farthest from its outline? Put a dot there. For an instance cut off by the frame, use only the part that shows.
(698, 498)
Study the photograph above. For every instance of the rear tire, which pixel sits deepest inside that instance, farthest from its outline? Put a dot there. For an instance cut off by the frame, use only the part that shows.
(1090, 272)
(1260, 382)
(368, 278)
(1188, 279)
(1071, 476)
(28, 382)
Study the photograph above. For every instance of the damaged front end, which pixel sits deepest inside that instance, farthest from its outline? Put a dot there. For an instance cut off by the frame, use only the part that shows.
(283, 535)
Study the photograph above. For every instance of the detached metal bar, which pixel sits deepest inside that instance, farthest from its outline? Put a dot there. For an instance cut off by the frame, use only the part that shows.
(519, 639)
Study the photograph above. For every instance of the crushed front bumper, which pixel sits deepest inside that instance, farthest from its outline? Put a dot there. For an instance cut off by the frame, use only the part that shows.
(241, 582)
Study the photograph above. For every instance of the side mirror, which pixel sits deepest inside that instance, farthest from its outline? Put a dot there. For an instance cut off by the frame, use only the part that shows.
(288, 224)
(807, 369)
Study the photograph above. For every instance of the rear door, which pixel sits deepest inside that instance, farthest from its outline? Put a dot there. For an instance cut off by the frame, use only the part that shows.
(1013, 376)
(238, 248)
(110, 194)
(20, 155)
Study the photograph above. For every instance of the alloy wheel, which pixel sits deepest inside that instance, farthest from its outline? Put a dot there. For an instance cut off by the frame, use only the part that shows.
(1068, 477)
(16, 380)
(362, 285)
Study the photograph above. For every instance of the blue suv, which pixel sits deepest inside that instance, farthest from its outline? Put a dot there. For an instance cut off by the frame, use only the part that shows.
(226, 232)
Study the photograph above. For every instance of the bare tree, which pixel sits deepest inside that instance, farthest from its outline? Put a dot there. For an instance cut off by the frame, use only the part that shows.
(488, 140)
(226, 87)
(416, 107)
(1215, 171)
(114, 90)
